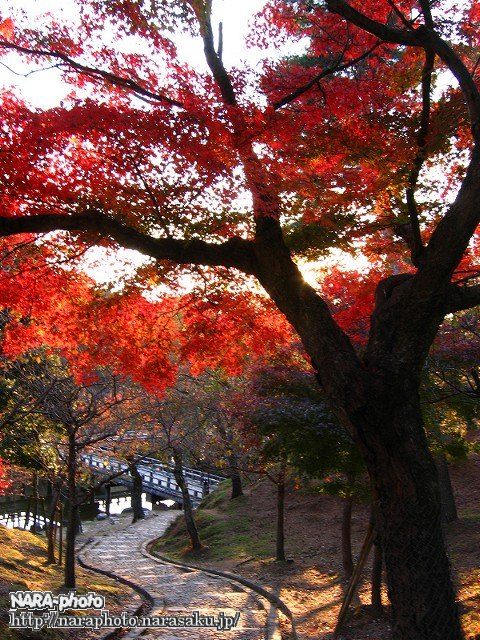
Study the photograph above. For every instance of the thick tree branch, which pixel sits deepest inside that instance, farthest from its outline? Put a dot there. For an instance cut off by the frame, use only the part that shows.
(416, 244)
(424, 36)
(429, 39)
(381, 31)
(214, 58)
(235, 252)
(462, 298)
(452, 235)
(97, 74)
(336, 364)
(406, 327)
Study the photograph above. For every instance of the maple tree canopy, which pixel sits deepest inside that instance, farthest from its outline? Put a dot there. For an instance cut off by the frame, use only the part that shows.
(195, 165)
(185, 162)
(158, 154)
(364, 139)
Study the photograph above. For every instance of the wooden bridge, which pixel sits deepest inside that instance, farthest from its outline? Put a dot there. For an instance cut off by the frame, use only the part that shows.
(158, 479)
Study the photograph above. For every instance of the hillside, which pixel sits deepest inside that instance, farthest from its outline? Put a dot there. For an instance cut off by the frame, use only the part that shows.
(239, 536)
(23, 566)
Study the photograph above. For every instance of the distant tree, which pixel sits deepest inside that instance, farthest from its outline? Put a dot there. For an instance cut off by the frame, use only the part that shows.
(84, 414)
(179, 418)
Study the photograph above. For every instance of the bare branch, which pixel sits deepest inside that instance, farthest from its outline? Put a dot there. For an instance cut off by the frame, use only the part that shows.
(214, 58)
(94, 73)
(335, 68)
(220, 41)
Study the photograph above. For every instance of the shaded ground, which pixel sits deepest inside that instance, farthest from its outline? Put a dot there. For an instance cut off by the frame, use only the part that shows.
(239, 536)
(23, 566)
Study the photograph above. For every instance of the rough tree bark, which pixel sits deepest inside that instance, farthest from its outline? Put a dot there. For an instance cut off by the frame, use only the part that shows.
(381, 409)
(447, 497)
(187, 502)
(409, 519)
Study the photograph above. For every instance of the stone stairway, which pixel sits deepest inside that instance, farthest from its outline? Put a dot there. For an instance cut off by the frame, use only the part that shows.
(179, 591)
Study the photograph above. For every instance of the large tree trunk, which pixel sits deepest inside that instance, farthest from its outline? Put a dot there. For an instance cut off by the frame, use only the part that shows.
(187, 503)
(447, 497)
(72, 515)
(137, 488)
(377, 400)
(347, 557)
(405, 485)
(280, 542)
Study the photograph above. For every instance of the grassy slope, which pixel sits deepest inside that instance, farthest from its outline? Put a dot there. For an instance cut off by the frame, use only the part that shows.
(239, 536)
(225, 530)
(23, 566)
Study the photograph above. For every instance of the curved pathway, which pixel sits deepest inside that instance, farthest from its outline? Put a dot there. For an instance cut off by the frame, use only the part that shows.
(178, 591)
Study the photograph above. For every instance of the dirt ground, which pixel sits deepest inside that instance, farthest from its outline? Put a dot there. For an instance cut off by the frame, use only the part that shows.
(311, 585)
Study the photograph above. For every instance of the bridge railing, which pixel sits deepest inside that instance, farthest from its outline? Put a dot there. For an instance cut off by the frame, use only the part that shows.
(188, 472)
(156, 477)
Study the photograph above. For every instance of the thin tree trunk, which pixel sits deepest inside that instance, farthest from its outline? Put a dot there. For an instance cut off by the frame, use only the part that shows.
(347, 557)
(27, 512)
(187, 503)
(137, 488)
(92, 494)
(108, 497)
(51, 527)
(60, 534)
(232, 459)
(354, 580)
(236, 478)
(280, 543)
(447, 497)
(377, 567)
(70, 581)
(35, 502)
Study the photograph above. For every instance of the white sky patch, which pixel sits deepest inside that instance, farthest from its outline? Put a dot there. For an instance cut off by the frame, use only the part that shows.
(314, 272)
(111, 268)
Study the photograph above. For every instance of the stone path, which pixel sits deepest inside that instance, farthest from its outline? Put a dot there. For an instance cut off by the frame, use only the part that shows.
(179, 591)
